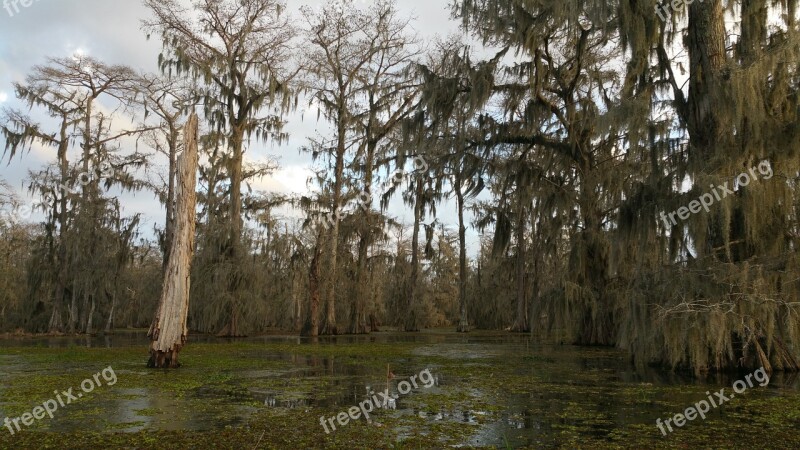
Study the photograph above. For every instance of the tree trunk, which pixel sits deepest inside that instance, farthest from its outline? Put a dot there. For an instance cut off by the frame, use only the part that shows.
(522, 322)
(311, 327)
(597, 326)
(537, 252)
(329, 327)
(89, 317)
(169, 228)
(168, 332)
(411, 323)
(706, 40)
(110, 322)
(297, 305)
(234, 254)
(463, 323)
(55, 325)
(358, 314)
(72, 322)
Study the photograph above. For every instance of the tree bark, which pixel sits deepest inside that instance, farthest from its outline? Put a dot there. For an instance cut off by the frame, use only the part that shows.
(72, 321)
(463, 323)
(55, 325)
(110, 322)
(411, 323)
(89, 317)
(168, 332)
(706, 43)
(358, 314)
(522, 322)
(169, 228)
(297, 305)
(311, 327)
(234, 254)
(329, 327)
(598, 327)
(707, 58)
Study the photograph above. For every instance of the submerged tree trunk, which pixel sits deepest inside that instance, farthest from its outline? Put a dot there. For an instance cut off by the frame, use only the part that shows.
(168, 332)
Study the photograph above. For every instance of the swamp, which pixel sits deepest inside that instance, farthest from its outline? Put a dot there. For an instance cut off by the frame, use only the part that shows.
(490, 390)
(399, 224)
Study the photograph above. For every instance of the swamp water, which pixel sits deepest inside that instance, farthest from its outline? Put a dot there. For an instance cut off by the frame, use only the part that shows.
(487, 390)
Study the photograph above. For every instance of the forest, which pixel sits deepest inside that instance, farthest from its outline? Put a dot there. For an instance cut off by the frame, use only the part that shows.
(585, 175)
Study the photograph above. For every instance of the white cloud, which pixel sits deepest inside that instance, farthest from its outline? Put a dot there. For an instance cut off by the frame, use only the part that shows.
(286, 180)
(111, 32)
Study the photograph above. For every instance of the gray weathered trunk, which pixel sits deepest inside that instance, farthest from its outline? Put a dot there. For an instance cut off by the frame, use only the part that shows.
(168, 332)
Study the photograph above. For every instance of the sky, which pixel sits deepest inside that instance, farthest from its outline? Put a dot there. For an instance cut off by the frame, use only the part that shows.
(111, 31)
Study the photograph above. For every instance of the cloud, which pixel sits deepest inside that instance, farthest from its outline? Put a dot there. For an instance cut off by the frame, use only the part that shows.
(111, 31)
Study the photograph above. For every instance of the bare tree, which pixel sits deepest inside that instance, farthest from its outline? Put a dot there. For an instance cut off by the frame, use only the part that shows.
(390, 92)
(240, 50)
(68, 89)
(357, 76)
(445, 134)
(166, 100)
(168, 332)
